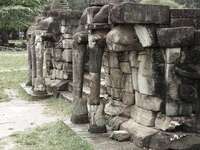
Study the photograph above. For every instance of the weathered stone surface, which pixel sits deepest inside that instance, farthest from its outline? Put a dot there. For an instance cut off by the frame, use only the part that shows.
(128, 98)
(172, 55)
(140, 135)
(175, 37)
(102, 15)
(178, 109)
(184, 13)
(58, 54)
(115, 108)
(174, 124)
(115, 93)
(135, 78)
(118, 39)
(190, 56)
(133, 59)
(138, 13)
(183, 22)
(146, 35)
(67, 43)
(125, 67)
(67, 55)
(115, 122)
(197, 37)
(151, 72)
(113, 60)
(142, 116)
(121, 135)
(172, 82)
(116, 77)
(147, 102)
(127, 84)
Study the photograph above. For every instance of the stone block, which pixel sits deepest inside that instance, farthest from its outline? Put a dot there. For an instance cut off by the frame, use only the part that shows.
(67, 36)
(113, 60)
(190, 56)
(172, 82)
(67, 56)
(140, 134)
(67, 67)
(147, 102)
(197, 37)
(185, 13)
(115, 122)
(58, 65)
(128, 98)
(139, 14)
(115, 108)
(133, 59)
(151, 72)
(105, 60)
(67, 43)
(127, 83)
(143, 117)
(125, 67)
(116, 77)
(135, 78)
(58, 54)
(118, 39)
(115, 93)
(175, 37)
(172, 55)
(121, 135)
(102, 15)
(183, 22)
(123, 56)
(146, 35)
(176, 108)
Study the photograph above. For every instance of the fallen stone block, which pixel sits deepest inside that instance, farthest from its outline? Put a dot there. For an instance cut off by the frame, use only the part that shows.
(115, 122)
(139, 14)
(140, 135)
(175, 37)
(143, 117)
(147, 102)
(121, 135)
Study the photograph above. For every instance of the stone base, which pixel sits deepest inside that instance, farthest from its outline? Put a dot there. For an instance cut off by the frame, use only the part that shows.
(34, 95)
(154, 139)
(80, 119)
(97, 129)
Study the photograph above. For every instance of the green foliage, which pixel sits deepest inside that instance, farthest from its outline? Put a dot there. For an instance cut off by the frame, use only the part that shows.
(170, 3)
(17, 14)
(189, 3)
(78, 4)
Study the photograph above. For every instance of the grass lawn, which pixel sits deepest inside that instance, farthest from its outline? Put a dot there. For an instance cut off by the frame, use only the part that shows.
(54, 136)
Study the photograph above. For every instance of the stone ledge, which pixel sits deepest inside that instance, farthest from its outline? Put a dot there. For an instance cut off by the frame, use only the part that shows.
(139, 13)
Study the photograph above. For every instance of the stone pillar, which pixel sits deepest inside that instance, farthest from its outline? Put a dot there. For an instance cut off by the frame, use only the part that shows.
(29, 45)
(39, 87)
(33, 60)
(96, 50)
(79, 111)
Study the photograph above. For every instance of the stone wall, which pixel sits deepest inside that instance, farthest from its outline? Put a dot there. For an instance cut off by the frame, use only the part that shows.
(145, 59)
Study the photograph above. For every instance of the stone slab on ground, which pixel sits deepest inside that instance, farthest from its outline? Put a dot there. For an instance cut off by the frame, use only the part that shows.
(99, 141)
(29, 91)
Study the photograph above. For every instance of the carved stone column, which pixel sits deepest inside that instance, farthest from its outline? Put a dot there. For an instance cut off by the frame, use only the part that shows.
(80, 111)
(33, 59)
(39, 87)
(29, 45)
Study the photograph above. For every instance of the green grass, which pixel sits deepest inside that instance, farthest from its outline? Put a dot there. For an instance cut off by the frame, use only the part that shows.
(54, 136)
(13, 60)
(58, 107)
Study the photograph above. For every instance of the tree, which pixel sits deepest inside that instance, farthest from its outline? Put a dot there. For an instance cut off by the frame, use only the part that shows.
(18, 14)
(189, 3)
